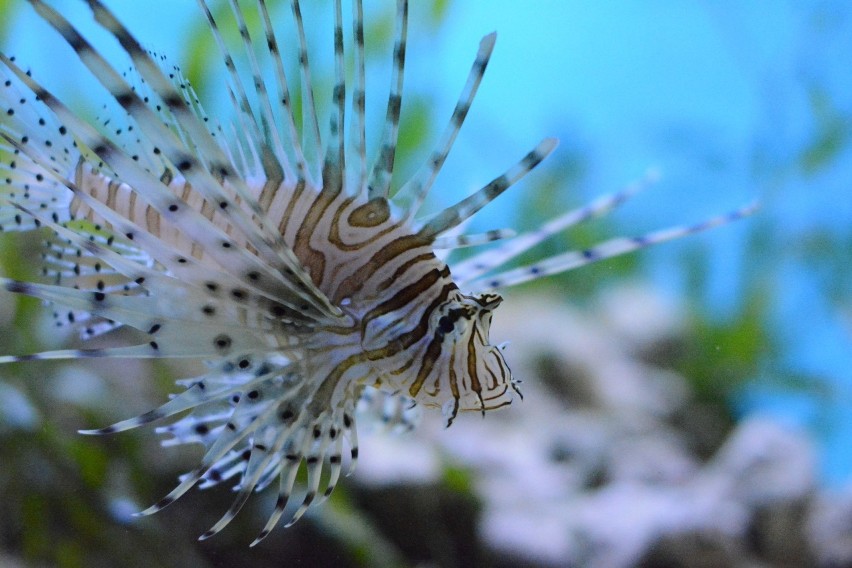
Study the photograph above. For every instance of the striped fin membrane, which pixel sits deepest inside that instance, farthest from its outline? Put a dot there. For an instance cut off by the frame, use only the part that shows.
(280, 258)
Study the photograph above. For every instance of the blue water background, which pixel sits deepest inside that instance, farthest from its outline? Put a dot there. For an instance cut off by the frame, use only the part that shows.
(729, 99)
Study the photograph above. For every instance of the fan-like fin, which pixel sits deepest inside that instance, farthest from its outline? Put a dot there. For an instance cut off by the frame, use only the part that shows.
(208, 388)
(261, 90)
(287, 478)
(285, 260)
(462, 241)
(359, 97)
(335, 461)
(467, 207)
(310, 130)
(490, 259)
(236, 82)
(212, 280)
(209, 150)
(283, 90)
(335, 154)
(135, 265)
(608, 249)
(418, 187)
(262, 456)
(380, 176)
(169, 336)
(249, 269)
(275, 167)
(314, 462)
(239, 427)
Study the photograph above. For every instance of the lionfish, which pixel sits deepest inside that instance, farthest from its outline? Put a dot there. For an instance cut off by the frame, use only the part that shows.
(286, 266)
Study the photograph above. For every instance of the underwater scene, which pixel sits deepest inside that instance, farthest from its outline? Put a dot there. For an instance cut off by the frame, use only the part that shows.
(365, 283)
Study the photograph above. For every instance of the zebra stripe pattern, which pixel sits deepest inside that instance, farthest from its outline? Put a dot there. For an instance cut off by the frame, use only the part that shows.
(302, 283)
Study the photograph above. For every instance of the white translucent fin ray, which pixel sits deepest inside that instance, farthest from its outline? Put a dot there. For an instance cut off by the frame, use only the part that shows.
(483, 262)
(133, 140)
(128, 352)
(22, 181)
(281, 257)
(261, 457)
(418, 187)
(283, 90)
(351, 434)
(186, 269)
(240, 500)
(211, 153)
(462, 241)
(608, 249)
(47, 196)
(194, 224)
(335, 154)
(382, 171)
(197, 303)
(236, 82)
(175, 329)
(201, 347)
(314, 463)
(197, 225)
(261, 91)
(239, 427)
(24, 121)
(211, 387)
(195, 108)
(359, 97)
(192, 397)
(238, 149)
(335, 468)
(226, 468)
(275, 167)
(310, 130)
(125, 265)
(75, 267)
(69, 263)
(443, 254)
(269, 474)
(287, 478)
(452, 216)
(273, 249)
(242, 124)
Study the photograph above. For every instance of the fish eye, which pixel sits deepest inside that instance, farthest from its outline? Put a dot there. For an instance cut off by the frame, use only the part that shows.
(445, 324)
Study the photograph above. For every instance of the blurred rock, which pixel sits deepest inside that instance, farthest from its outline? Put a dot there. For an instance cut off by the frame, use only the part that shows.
(695, 549)
(16, 410)
(12, 562)
(764, 463)
(829, 528)
(779, 534)
(651, 322)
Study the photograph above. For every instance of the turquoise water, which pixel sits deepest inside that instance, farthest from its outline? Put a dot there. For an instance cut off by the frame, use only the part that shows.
(732, 100)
